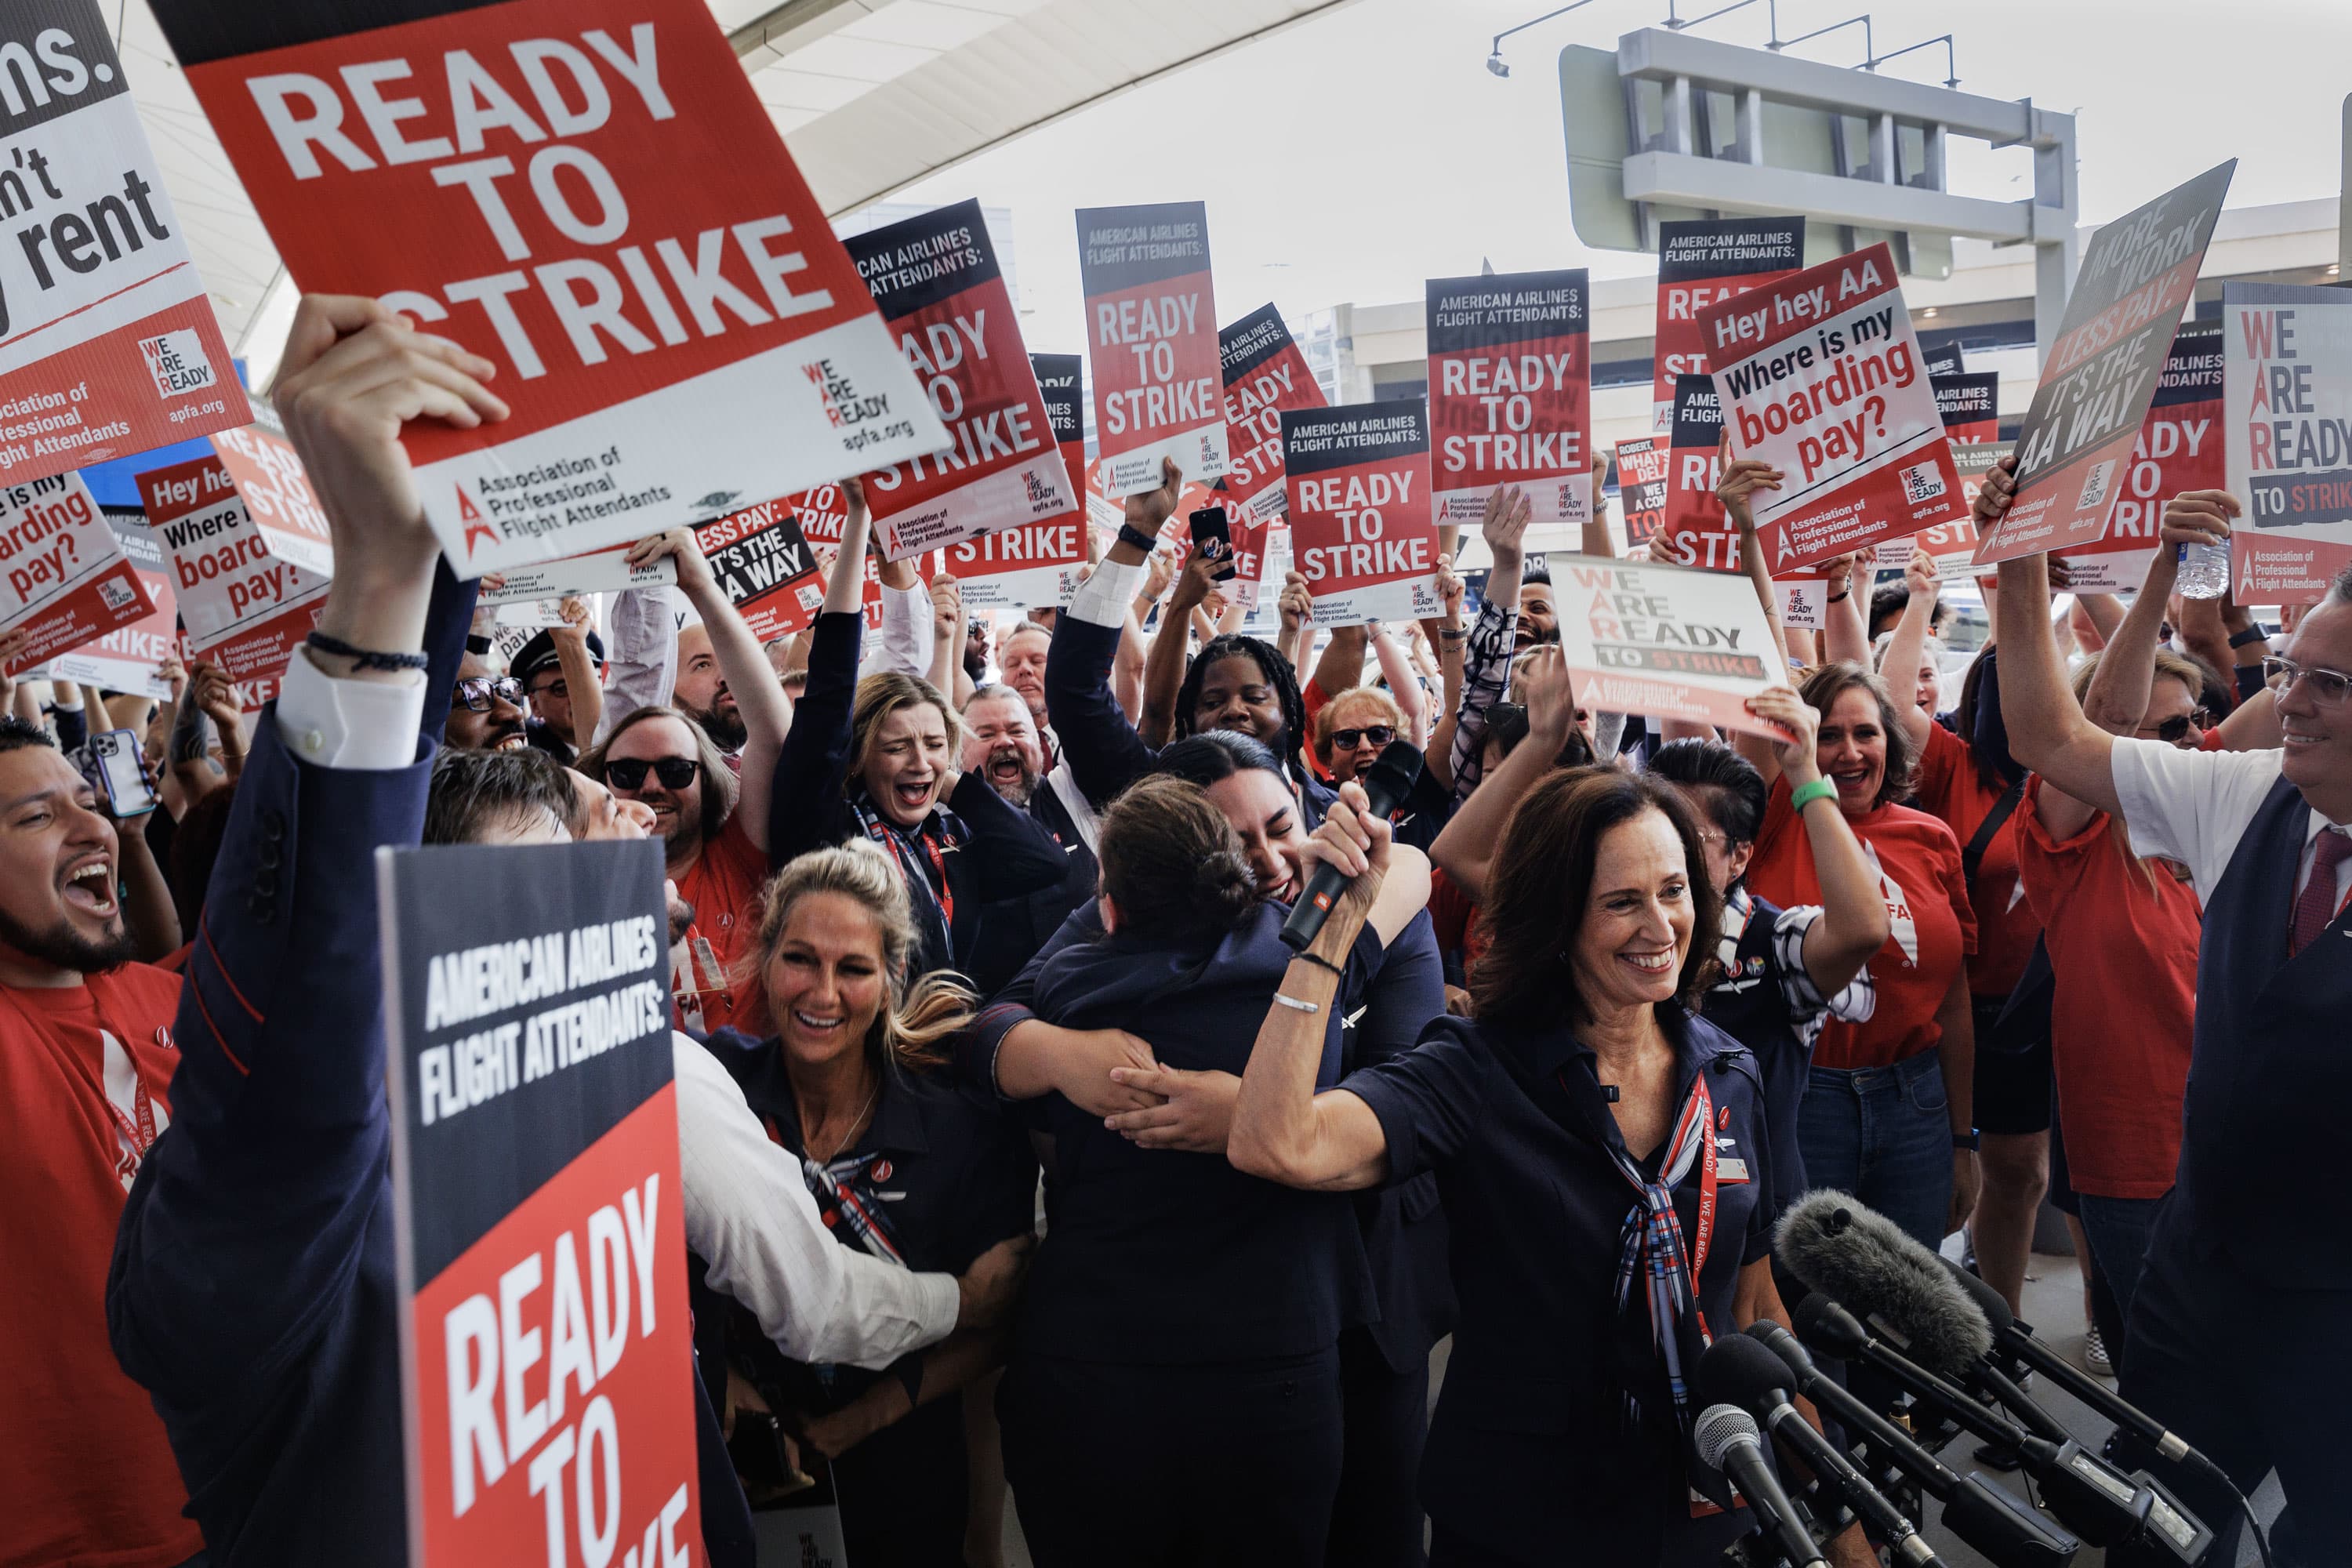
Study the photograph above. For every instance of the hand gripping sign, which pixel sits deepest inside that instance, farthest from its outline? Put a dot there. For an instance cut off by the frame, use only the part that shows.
(1360, 514)
(589, 194)
(63, 573)
(1151, 341)
(1820, 376)
(2139, 274)
(1264, 376)
(936, 278)
(1510, 383)
(1667, 641)
(2179, 448)
(1702, 263)
(546, 1345)
(108, 343)
(2287, 390)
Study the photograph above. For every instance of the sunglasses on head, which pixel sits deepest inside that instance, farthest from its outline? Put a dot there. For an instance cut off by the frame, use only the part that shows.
(629, 772)
(478, 691)
(1378, 734)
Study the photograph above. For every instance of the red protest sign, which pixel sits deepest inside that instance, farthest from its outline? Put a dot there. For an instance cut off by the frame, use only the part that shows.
(1151, 342)
(1969, 405)
(126, 658)
(1359, 517)
(1642, 464)
(589, 194)
(1016, 568)
(1701, 263)
(764, 565)
(1058, 384)
(245, 609)
(936, 280)
(285, 512)
(1510, 378)
(1696, 532)
(2179, 448)
(63, 574)
(108, 343)
(1820, 376)
(2139, 274)
(1264, 375)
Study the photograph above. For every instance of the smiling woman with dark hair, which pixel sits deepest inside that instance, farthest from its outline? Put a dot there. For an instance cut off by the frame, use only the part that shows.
(1604, 1159)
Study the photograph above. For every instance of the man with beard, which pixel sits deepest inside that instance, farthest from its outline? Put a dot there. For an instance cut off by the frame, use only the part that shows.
(1021, 655)
(1001, 745)
(713, 818)
(703, 694)
(488, 711)
(85, 1076)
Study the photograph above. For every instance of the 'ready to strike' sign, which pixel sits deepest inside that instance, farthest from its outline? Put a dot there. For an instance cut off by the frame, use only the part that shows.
(1511, 382)
(1970, 404)
(1151, 342)
(1058, 384)
(1669, 641)
(2139, 274)
(1018, 568)
(2287, 393)
(1820, 376)
(1642, 464)
(64, 578)
(1701, 263)
(227, 522)
(1696, 530)
(589, 194)
(108, 343)
(1359, 516)
(2179, 450)
(765, 567)
(546, 1345)
(937, 281)
(128, 657)
(1266, 375)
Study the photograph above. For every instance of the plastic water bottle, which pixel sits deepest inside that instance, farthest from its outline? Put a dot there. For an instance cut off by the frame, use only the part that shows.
(2204, 571)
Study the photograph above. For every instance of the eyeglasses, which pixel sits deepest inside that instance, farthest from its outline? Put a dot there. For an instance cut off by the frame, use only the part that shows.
(478, 691)
(2329, 687)
(1378, 734)
(629, 772)
(555, 688)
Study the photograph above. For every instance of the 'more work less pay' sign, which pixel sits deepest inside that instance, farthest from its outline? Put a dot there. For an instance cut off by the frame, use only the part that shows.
(588, 194)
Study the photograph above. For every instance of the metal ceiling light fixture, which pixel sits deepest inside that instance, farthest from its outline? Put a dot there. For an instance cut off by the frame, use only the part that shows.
(1495, 51)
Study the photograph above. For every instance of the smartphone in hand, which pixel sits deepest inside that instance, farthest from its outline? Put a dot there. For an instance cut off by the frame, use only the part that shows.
(114, 755)
(1210, 523)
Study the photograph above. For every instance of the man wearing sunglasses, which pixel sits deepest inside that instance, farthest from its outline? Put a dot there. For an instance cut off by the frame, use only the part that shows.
(488, 710)
(2232, 1340)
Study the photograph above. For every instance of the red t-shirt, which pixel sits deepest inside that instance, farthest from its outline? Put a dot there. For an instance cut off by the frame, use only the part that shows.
(2123, 949)
(1455, 915)
(1927, 899)
(84, 1076)
(1949, 788)
(724, 889)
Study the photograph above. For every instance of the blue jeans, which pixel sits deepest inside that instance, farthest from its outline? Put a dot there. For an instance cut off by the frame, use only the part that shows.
(1884, 1135)
(2118, 1230)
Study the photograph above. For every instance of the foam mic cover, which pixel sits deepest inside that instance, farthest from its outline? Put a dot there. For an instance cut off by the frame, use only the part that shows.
(1386, 783)
(1865, 1262)
(1736, 1370)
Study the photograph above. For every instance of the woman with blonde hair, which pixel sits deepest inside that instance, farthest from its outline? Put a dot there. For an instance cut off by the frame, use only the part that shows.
(903, 1165)
(875, 759)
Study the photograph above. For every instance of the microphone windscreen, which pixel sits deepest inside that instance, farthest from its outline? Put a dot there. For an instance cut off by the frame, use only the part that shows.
(1390, 779)
(1988, 1300)
(1719, 1426)
(1735, 1370)
(1833, 1243)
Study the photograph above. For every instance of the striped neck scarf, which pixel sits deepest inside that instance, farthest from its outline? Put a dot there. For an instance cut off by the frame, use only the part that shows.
(1652, 1250)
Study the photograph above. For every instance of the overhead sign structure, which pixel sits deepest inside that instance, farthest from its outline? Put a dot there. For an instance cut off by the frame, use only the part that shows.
(1359, 515)
(938, 283)
(2138, 274)
(546, 1345)
(589, 194)
(1667, 641)
(1820, 376)
(1510, 385)
(2287, 393)
(108, 342)
(1700, 264)
(2179, 448)
(1151, 342)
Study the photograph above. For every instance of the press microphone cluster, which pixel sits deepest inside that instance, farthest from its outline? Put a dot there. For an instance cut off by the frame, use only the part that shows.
(1881, 1299)
(1386, 783)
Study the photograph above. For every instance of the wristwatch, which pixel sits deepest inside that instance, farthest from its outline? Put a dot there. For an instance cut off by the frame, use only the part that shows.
(1972, 1140)
(1131, 535)
(2253, 634)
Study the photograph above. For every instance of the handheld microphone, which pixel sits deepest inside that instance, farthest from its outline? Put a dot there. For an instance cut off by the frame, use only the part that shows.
(1989, 1518)
(1386, 783)
(2094, 1500)
(1727, 1440)
(1739, 1371)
